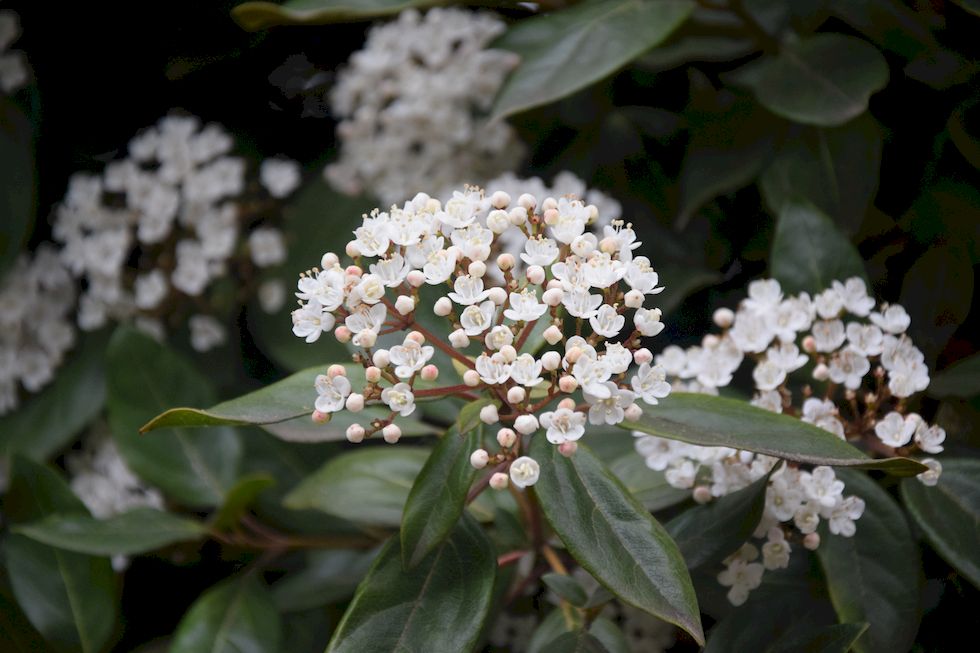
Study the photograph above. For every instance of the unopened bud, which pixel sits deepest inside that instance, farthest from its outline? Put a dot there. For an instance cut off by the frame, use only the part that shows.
(320, 417)
(553, 296)
(365, 338)
(416, 336)
(342, 334)
(535, 274)
(567, 403)
(821, 372)
(526, 424)
(549, 204)
(516, 394)
(633, 412)
(643, 355)
(509, 353)
(567, 384)
(489, 415)
(633, 299)
(404, 304)
(477, 269)
(497, 295)
(479, 458)
(391, 433)
(459, 339)
(809, 344)
(702, 494)
(415, 278)
(500, 200)
(355, 433)
(527, 201)
(506, 262)
(518, 216)
(551, 360)
(710, 341)
(351, 249)
(609, 245)
(354, 271)
(355, 402)
(723, 317)
(381, 358)
(573, 354)
(811, 541)
(430, 373)
(499, 481)
(568, 448)
(551, 217)
(471, 378)
(442, 307)
(336, 370)
(498, 221)
(372, 374)
(506, 438)
(329, 260)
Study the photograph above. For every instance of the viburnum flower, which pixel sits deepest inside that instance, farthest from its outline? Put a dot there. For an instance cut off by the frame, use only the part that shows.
(547, 344)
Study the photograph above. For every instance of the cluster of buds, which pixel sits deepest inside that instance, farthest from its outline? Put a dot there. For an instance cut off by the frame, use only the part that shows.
(546, 348)
(862, 367)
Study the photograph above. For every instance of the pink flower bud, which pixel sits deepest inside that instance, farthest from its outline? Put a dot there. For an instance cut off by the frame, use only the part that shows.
(355, 433)
(821, 372)
(342, 334)
(567, 384)
(320, 417)
(641, 356)
(702, 494)
(573, 354)
(516, 394)
(479, 458)
(568, 449)
(430, 373)
(811, 541)
(415, 278)
(471, 378)
(416, 336)
(809, 344)
(336, 370)
(567, 403)
(355, 402)
(372, 374)
(391, 433)
(535, 274)
(499, 481)
(506, 438)
(354, 271)
(506, 262)
(551, 217)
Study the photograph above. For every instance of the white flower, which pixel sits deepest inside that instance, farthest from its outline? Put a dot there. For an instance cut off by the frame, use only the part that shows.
(681, 474)
(206, 332)
(764, 294)
(493, 369)
(610, 409)
(647, 321)
(751, 332)
(267, 247)
(617, 357)
(650, 383)
(473, 241)
(657, 453)
(524, 472)
(468, 290)
(841, 519)
(775, 552)
(866, 339)
(391, 270)
(399, 398)
(930, 438)
(369, 290)
(828, 335)
(784, 496)
(279, 176)
(828, 304)
(822, 486)
(742, 577)
(849, 367)
(786, 356)
(477, 318)
(409, 358)
(895, 430)
(769, 400)
(331, 393)
(807, 517)
(642, 277)
(931, 476)
(498, 337)
(572, 218)
(540, 251)
(580, 303)
(893, 319)
(524, 307)
(327, 287)
(592, 375)
(366, 318)
(150, 289)
(768, 375)
(310, 320)
(854, 294)
(564, 425)
(439, 267)
(526, 370)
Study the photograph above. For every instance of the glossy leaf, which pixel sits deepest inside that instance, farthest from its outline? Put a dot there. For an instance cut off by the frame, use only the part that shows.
(961, 379)
(613, 537)
(873, 576)
(234, 616)
(69, 597)
(328, 577)
(555, 625)
(17, 192)
(824, 80)
(439, 605)
(367, 485)
(567, 588)
(564, 51)
(136, 531)
(469, 415)
(650, 487)
(255, 16)
(438, 496)
(949, 513)
(722, 422)
(709, 532)
(809, 251)
(145, 378)
(240, 497)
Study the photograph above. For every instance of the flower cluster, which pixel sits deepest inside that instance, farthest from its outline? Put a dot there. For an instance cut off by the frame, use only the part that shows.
(14, 69)
(526, 345)
(863, 368)
(37, 296)
(410, 105)
(151, 234)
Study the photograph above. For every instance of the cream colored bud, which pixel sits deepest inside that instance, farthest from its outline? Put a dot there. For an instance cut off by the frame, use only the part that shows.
(355, 402)
(551, 360)
(527, 201)
(471, 378)
(381, 358)
(329, 260)
(489, 415)
(553, 296)
(549, 203)
(404, 304)
(499, 481)
(643, 355)
(320, 417)
(355, 433)
(634, 412)
(526, 424)
(593, 212)
(567, 384)
(459, 339)
(415, 278)
(821, 372)
(633, 299)
(479, 458)
(497, 295)
(500, 200)
(509, 353)
(552, 335)
(573, 354)
(553, 283)
(372, 374)
(506, 438)
(568, 448)
(723, 317)
(477, 269)
(430, 373)
(516, 395)
(365, 338)
(551, 217)
(416, 336)
(351, 249)
(609, 245)
(710, 341)
(506, 262)
(498, 221)
(535, 274)
(811, 541)
(443, 307)
(336, 370)
(517, 216)
(342, 334)
(567, 403)
(391, 433)
(701, 494)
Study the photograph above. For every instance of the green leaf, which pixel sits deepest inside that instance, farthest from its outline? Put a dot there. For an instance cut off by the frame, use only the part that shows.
(69, 597)
(328, 577)
(284, 408)
(949, 513)
(17, 635)
(873, 576)
(17, 192)
(650, 487)
(368, 485)
(697, 48)
(439, 605)
(838, 638)
(49, 420)
(555, 625)
(961, 379)
(144, 378)
(709, 532)
(438, 496)
(972, 6)
(723, 422)
(136, 531)
(240, 497)
(824, 80)
(613, 537)
(567, 588)
(469, 415)
(255, 16)
(808, 251)
(577, 642)
(235, 616)
(567, 50)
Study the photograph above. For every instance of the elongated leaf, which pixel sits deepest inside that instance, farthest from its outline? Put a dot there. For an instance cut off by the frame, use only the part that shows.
(809, 251)
(613, 537)
(554, 626)
(722, 422)
(577, 642)
(838, 638)
(240, 497)
(567, 50)
(136, 531)
(650, 487)
(328, 577)
(439, 605)
(69, 597)
(961, 379)
(567, 588)
(438, 495)
(51, 419)
(709, 532)
(949, 513)
(17, 192)
(873, 576)
(144, 378)
(232, 617)
(17, 635)
(823, 80)
(255, 16)
(368, 486)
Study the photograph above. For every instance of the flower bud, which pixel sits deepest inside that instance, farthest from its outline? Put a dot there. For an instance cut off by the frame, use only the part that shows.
(609, 245)
(381, 358)
(809, 344)
(568, 448)
(342, 334)
(477, 269)
(336, 370)
(553, 283)
(329, 260)
(355, 402)
(499, 481)
(516, 394)
(723, 317)
(459, 339)
(351, 249)
(549, 203)
(354, 271)
(430, 373)
(471, 378)
(391, 433)
(633, 299)
(573, 354)
(365, 338)
(702, 494)
(634, 412)
(821, 372)
(415, 278)
(553, 296)
(567, 403)
(442, 307)
(500, 200)
(710, 341)
(498, 221)
(518, 216)
(489, 415)
(551, 360)
(551, 217)
(355, 433)
(811, 541)
(506, 438)
(567, 384)
(479, 458)
(643, 355)
(416, 336)
(404, 304)
(509, 353)
(372, 374)
(497, 295)
(535, 274)
(527, 201)
(320, 417)
(526, 424)
(506, 262)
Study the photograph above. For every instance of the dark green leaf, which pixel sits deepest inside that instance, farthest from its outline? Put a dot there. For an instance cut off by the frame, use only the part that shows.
(567, 50)
(808, 251)
(972, 6)
(136, 531)
(49, 420)
(824, 80)
(697, 48)
(438, 496)
(567, 588)
(709, 532)
(873, 576)
(949, 513)
(145, 378)
(577, 642)
(235, 616)
(838, 638)
(959, 128)
(368, 485)
(69, 597)
(555, 625)
(17, 635)
(439, 605)
(328, 577)
(613, 537)
(240, 497)
(255, 16)
(17, 185)
(723, 422)
(469, 415)
(648, 486)
(961, 379)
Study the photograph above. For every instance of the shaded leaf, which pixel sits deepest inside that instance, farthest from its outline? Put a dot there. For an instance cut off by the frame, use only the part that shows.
(837, 638)
(367, 485)
(567, 588)
(555, 625)
(255, 16)
(567, 50)
(328, 577)
(873, 576)
(613, 537)
(722, 422)
(949, 513)
(650, 487)
(439, 605)
(17, 192)
(240, 497)
(17, 635)
(234, 616)
(961, 379)
(577, 642)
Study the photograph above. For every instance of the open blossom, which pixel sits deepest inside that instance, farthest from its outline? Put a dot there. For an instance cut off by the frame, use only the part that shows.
(564, 425)
(399, 398)
(331, 393)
